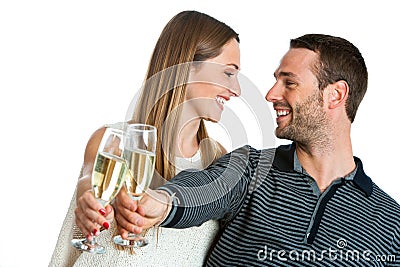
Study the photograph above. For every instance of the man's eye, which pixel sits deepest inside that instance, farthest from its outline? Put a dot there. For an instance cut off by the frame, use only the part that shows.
(290, 83)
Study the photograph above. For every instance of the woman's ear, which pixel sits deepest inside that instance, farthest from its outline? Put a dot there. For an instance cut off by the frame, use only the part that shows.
(338, 94)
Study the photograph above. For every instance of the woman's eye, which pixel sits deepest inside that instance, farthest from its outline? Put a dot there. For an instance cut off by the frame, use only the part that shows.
(229, 74)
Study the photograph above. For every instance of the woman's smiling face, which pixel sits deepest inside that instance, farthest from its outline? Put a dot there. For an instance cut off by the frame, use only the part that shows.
(213, 82)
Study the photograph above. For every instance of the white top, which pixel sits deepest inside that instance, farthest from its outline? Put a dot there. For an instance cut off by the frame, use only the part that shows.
(175, 247)
(188, 163)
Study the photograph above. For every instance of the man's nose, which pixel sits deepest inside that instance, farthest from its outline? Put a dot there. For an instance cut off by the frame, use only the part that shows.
(274, 94)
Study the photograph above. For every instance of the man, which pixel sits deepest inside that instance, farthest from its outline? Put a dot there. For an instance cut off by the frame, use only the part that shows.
(306, 204)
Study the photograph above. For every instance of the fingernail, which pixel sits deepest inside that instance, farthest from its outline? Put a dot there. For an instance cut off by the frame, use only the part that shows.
(94, 231)
(102, 211)
(106, 225)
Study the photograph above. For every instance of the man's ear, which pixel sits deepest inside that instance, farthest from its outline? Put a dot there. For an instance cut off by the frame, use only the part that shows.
(338, 93)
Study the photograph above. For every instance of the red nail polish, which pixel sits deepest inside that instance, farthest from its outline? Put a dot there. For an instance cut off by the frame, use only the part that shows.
(102, 211)
(94, 231)
(106, 225)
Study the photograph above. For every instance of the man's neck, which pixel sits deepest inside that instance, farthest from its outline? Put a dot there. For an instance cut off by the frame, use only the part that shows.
(327, 162)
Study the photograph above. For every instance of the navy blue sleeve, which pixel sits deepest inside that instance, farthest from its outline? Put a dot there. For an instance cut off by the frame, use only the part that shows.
(214, 193)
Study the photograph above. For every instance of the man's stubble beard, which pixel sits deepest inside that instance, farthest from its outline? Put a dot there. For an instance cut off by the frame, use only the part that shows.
(309, 124)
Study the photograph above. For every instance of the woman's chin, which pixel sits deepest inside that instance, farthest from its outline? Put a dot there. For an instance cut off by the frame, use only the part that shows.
(212, 119)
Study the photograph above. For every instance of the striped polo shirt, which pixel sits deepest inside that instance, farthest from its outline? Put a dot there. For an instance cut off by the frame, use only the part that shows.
(273, 214)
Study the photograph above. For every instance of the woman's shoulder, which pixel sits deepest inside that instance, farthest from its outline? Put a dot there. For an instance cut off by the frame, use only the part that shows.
(96, 136)
(217, 145)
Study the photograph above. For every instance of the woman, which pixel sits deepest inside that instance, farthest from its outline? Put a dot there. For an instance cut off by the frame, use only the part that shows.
(192, 73)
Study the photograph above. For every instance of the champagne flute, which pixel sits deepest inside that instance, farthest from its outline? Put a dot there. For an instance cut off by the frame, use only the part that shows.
(108, 176)
(139, 153)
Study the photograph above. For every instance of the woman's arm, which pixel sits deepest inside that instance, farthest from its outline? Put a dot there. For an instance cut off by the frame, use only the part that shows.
(89, 214)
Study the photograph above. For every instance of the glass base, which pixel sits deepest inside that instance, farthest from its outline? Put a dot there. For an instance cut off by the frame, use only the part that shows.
(88, 246)
(133, 241)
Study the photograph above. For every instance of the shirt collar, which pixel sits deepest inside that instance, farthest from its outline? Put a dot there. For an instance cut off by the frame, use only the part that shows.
(285, 160)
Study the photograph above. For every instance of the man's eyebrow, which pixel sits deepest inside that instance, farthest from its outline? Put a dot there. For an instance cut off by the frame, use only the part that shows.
(285, 74)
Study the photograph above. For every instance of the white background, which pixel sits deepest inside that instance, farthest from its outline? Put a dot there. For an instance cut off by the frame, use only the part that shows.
(68, 67)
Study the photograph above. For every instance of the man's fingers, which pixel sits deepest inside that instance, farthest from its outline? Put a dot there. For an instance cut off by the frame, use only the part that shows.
(123, 199)
(141, 211)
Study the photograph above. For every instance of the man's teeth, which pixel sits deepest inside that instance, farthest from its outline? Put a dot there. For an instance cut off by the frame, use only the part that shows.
(282, 112)
(220, 100)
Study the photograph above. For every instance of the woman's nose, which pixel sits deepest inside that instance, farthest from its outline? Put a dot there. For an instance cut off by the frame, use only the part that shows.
(235, 89)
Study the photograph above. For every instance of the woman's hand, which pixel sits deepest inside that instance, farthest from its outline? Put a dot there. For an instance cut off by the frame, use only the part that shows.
(90, 214)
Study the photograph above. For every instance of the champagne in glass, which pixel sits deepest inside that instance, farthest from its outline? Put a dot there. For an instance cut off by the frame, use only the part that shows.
(109, 170)
(108, 176)
(142, 162)
(140, 154)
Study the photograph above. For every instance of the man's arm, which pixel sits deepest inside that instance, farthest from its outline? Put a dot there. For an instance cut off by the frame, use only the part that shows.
(193, 197)
(214, 193)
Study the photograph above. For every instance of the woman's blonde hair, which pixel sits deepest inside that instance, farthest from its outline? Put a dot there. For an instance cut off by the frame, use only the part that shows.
(189, 36)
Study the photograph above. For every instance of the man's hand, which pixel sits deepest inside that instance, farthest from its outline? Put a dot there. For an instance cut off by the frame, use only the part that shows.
(133, 216)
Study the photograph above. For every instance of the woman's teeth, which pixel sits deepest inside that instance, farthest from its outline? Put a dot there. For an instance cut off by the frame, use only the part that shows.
(220, 100)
